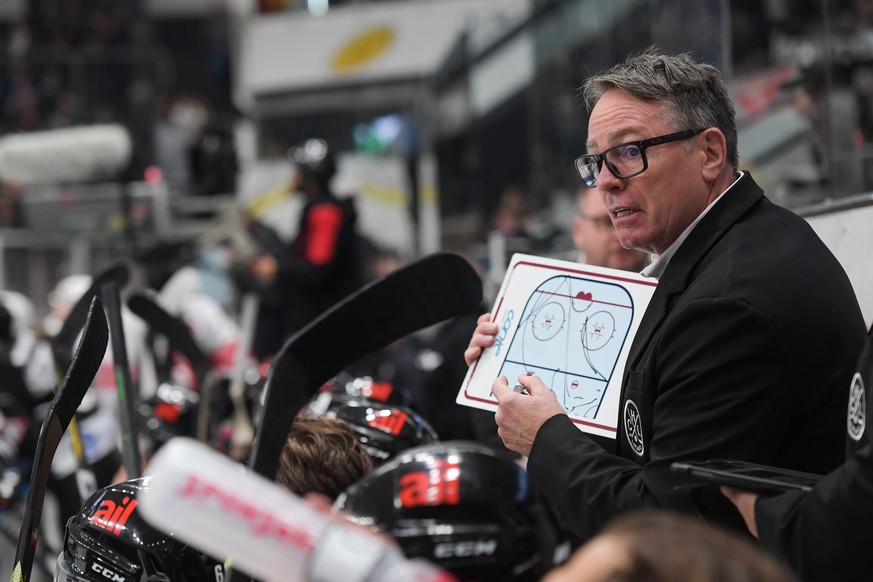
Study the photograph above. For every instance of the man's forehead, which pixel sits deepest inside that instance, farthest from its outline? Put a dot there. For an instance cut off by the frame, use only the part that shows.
(614, 137)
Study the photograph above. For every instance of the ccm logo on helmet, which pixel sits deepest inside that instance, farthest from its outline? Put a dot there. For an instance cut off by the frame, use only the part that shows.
(107, 573)
(439, 485)
(465, 549)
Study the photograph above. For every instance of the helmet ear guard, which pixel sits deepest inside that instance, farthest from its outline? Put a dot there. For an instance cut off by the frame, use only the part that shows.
(465, 506)
(107, 540)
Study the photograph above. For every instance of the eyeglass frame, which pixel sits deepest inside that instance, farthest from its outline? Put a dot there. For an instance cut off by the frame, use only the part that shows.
(643, 144)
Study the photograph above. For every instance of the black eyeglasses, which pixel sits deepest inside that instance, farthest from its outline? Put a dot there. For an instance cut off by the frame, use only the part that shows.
(625, 160)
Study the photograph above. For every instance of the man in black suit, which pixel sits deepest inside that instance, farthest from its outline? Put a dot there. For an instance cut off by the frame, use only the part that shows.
(825, 534)
(749, 338)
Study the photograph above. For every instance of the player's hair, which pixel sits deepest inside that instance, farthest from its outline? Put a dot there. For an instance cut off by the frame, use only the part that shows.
(323, 456)
(663, 545)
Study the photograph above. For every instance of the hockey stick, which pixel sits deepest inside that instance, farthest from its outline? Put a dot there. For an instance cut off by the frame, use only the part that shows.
(62, 343)
(172, 328)
(179, 337)
(80, 374)
(126, 398)
(213, 503)
(243, 431)
(428, 291)
(62, 352)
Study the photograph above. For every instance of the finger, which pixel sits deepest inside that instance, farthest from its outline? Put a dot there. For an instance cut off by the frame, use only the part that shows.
(532, 384)
(483, 340)
(500, 388)
(472, 354)
(487, 327)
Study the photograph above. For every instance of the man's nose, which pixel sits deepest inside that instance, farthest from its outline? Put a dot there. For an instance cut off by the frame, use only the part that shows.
(607, 181)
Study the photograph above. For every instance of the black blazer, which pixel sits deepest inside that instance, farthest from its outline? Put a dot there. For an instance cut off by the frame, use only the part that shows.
(825, 535)
(744, 352)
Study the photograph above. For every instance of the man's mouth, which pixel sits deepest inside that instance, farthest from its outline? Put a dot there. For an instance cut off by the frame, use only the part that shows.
(623, 212)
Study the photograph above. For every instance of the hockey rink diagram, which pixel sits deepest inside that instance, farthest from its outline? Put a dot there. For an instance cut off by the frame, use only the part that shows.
(569, 324)
(571, 334)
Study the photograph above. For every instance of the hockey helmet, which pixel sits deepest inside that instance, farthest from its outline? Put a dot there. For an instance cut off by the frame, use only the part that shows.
(315, 160)
(108, 540)
(462, 505)
(353, 386)
(170, 412)
(383, 429)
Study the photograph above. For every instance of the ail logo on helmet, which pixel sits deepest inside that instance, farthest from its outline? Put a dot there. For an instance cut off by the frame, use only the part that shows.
(380, 391)
(438, 485)
(390, 421)
(113, 516)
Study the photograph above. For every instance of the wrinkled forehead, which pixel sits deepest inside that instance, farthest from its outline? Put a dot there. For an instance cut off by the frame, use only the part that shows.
(619, 117)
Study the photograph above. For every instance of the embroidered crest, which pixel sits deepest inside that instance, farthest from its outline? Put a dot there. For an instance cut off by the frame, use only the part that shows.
(857, 418)
(633, 427)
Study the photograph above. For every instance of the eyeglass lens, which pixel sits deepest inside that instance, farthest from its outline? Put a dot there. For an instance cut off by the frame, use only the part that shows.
(623, 161)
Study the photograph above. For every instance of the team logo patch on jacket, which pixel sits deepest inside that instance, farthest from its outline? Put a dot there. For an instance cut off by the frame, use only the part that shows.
(857, 417)
(633, 427)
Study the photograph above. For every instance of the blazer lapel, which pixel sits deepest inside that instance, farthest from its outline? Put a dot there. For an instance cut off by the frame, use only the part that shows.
(736, 202)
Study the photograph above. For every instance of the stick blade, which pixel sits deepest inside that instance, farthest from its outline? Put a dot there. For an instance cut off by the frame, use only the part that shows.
(62, 343)
(433, 289)
(86, 360)
(173, 328)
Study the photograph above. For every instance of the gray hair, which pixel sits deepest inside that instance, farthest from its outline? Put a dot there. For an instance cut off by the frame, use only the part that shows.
(694, 93)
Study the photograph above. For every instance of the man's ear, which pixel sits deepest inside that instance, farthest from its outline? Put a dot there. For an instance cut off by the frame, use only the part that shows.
(715, 153)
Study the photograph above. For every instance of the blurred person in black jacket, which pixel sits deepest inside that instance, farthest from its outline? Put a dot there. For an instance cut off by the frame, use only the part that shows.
(297, 282)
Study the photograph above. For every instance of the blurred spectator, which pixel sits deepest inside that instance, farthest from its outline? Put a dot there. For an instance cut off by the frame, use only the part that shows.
(595, 238)
(298, 282)
(511, 218)
(19, 41)
(16, 404)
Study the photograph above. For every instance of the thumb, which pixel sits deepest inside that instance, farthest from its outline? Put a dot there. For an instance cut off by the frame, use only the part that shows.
(500, 388)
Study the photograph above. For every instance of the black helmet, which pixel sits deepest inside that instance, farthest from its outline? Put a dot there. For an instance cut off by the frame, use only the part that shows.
(315, 159)
(465, 506)
(383, 429)
(349, 385)
(170, 412)
(108, 540)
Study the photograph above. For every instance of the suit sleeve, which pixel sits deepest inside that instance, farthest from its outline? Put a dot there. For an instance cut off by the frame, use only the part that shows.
(825, 534)
(713, 375)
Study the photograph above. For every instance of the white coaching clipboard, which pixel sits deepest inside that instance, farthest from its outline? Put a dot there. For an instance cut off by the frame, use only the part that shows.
(571, 325)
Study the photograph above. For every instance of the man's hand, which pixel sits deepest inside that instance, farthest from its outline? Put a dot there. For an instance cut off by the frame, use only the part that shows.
(519, 416)
(745, 502)
(483, 337)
